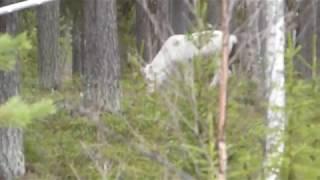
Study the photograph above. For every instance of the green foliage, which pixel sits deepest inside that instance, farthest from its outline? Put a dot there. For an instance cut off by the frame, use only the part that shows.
(53, 147)
(302, 140)
(17, 113)
(167, 134)
(9, 49)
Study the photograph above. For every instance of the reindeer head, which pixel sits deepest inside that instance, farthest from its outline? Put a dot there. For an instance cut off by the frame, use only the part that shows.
(149, 76)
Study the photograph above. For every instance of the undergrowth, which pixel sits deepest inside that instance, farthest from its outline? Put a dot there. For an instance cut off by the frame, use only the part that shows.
(170, 134)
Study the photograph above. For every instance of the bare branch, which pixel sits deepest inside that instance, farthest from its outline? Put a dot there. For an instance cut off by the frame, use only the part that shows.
(22, 5)
(221, 142)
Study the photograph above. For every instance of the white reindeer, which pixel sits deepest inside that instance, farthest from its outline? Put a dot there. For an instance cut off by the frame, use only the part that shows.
(182, 48)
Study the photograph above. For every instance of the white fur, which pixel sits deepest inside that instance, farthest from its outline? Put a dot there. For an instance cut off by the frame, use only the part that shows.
(182, 48)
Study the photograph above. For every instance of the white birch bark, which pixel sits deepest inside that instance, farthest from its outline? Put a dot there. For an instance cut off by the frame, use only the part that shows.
(21, 5)
(275, 81)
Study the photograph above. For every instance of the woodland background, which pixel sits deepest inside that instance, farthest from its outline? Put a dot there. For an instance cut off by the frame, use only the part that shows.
(81, 111)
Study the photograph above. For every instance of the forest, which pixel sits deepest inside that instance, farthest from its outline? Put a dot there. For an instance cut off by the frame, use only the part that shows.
(159, 89)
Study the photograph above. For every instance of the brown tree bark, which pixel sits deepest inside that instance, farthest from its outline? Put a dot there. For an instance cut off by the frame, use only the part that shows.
(11, 139)
(48, 45)
(101, 56)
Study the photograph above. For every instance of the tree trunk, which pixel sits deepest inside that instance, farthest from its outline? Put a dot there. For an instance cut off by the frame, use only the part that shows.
(162, 15)
(275, 81)
(77, 45)
(144, 33)
(152, 26)
(101, 56)
(48, 45)
(253, 50)
(214, 13)
(11, 139)
(181, 16)
(308, 22)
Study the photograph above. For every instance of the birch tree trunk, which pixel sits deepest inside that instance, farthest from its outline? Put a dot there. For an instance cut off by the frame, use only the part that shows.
(11, 139)
(275, 81)
(48, 53)
(101, 56)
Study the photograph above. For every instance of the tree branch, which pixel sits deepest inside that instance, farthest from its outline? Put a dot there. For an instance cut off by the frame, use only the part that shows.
(221, 142)
(22, 5)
